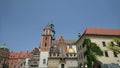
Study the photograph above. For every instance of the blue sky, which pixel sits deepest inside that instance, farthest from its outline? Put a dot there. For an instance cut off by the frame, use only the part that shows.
(22, 21)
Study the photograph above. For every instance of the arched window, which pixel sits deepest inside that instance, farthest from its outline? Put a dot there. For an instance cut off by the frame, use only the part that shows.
(45, 38)
(45, 44)
(44, 61)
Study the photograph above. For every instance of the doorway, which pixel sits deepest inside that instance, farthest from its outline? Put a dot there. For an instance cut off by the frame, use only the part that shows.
(62, 65)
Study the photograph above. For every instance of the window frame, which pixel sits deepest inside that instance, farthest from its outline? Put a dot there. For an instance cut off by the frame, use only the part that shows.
(44, 61)
(106, 53)
(103, 43)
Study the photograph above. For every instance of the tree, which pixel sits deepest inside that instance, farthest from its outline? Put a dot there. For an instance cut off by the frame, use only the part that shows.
(115, 47)
(92, 52)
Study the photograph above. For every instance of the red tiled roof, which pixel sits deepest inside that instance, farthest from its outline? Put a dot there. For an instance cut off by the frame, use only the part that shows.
(96, 31)
(19, 55)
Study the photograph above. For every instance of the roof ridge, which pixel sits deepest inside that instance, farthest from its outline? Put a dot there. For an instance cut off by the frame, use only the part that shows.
(101, 31)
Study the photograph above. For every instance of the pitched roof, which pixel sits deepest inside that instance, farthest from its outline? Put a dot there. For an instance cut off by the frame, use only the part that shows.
(54, 42)
(70, 41)
(96, 31)
(19, 55)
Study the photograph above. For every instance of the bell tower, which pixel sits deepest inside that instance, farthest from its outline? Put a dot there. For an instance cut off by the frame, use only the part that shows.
(47, 37)
(46, 42)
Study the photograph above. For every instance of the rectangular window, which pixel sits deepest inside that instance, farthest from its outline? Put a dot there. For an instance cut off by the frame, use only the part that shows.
(112, 43)
(58, 54)
(45, 45)
(79, 57)
(115, 54)
(104, 44)
(70, 54)
(106, 54)
(84, 54)
(80, 47)
(54, 54)
(83, 45)
(44, 61)
(62, 65)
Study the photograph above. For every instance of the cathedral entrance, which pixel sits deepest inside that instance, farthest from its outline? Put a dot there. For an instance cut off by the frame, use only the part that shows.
(62, 65)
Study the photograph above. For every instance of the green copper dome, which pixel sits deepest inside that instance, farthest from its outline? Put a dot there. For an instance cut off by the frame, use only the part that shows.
(3, 46)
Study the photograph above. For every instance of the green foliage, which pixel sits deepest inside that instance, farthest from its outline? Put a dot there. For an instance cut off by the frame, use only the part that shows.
(115, 47)
(92, 51)
(93, 57)
(117, 40)
(96, 50)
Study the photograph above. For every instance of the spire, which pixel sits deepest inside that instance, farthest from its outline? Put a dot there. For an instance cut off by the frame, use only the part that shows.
(61, 38)
(79, 35)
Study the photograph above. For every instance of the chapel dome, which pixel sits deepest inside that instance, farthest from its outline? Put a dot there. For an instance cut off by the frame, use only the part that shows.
(71, 50)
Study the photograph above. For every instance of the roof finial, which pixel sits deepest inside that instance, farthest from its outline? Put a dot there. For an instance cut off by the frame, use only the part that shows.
(79, 35)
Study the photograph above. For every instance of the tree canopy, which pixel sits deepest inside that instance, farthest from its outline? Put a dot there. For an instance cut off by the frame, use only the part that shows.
(92, 52)
(116, 46)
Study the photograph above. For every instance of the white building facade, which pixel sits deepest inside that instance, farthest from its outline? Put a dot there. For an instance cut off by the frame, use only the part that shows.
(101, 37)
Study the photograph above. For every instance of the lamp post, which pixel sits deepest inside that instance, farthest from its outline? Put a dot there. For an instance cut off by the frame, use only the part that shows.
(85, 65)
(81, 66)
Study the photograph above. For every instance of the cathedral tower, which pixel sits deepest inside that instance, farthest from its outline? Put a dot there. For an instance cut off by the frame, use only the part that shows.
(46, 42)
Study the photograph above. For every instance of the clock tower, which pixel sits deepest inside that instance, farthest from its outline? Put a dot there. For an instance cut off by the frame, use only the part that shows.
(46, 42)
